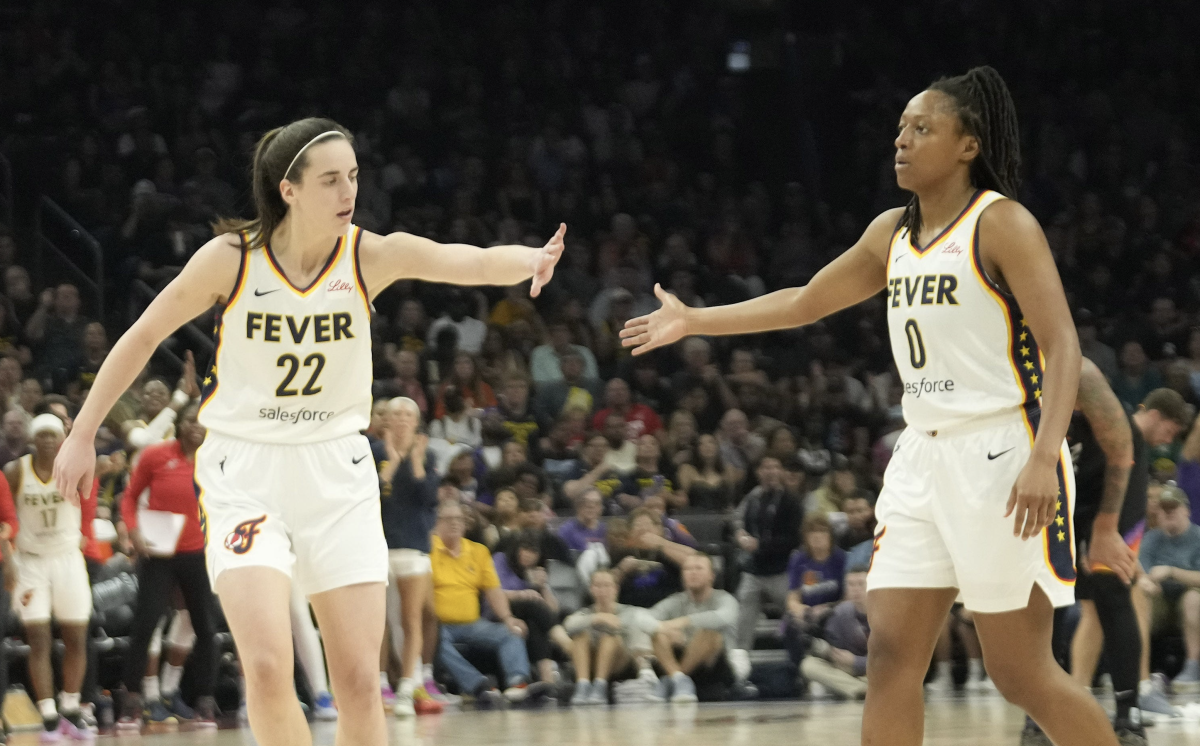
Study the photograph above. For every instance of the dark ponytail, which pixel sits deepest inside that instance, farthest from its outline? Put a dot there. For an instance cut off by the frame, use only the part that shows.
(272, 156)
(986, 110)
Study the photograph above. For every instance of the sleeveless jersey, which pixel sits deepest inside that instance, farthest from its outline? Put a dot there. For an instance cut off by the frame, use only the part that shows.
(292, 365)
(960, 342)
(1090, 462)
(49, 524)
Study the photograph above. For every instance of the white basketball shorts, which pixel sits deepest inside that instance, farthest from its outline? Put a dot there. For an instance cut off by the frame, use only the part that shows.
(53, 584)
(309, 510)
(408, 562)
(941, 518)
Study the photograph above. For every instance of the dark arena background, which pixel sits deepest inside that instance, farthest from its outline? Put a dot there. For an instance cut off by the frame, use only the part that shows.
(722, 148)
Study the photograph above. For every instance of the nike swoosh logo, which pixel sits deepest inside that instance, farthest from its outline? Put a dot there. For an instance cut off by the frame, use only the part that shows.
(898, 259)
(268, 292)
(223, 465)
(357, 460)
(993, 457)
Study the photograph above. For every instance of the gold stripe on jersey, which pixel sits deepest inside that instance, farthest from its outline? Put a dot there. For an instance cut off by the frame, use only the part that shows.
(316, 283)
(945, 231)
(211, 380)
(358, 276)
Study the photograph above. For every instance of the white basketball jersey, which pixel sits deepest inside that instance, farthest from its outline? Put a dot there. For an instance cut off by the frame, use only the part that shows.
(960, 342)
(293, 365)
(48, 523)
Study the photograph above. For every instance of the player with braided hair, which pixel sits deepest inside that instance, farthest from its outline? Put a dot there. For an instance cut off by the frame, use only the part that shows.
(987, 353)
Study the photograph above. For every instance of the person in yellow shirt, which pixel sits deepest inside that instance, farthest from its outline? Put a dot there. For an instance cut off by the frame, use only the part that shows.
(462, 570)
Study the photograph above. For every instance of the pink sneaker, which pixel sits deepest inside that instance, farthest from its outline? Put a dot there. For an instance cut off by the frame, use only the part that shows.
(435, 691)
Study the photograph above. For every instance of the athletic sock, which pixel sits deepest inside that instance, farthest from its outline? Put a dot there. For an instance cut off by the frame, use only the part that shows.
(975, 669)
(427, 671)
(68, 703)
(47, 708)
(945, 672)
(169, 681)
(383, 680)
(150, 690)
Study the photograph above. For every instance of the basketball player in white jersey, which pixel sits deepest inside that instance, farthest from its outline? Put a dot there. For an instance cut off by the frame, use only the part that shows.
(286, 480)
(53, 579)
(970, 286)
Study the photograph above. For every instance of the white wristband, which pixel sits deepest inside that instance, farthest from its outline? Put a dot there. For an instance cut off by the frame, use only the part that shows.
(180, 399)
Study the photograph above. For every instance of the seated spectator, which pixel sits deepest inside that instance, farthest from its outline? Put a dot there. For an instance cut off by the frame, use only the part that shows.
(608, 642)
(705, 479)
(697, 627)
(471, 331)
(534, 520)
(1171, 556)
(531, 599)
(816, 572)
(645, 562)
(572, 389)
(836, 657)
(679, 437)
(506, 515)
(618, 401)
(56, 331)
(700, 370)
(462, 570)
(14, 441)
(560, 452)
(860, 523)
(622, 451)
(458, 424)
(648, 386)
(766, 529)
(460, 472)
(839, 485)
(740, 448)
(405, 381)
(674, 530)
(517, 416)
(545, 362)
(1137, 377)
(465, 377)
(592, 470)
(586, 527)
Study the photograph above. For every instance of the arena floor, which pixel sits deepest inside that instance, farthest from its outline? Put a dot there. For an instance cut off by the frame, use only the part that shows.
(979, 721)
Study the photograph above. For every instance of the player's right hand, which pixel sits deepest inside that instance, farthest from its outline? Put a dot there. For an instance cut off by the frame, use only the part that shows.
(1111, 551)
(663, 327)
(75, 467)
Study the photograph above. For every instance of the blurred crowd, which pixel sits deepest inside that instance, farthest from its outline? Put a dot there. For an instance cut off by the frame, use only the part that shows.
(487, 124)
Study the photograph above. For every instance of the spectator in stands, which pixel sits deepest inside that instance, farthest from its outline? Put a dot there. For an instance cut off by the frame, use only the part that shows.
(1137, 377)
(839, 485)
(647, 478)
(168, 561)
(697, 627)
(471, 331)
(767, 530)
(534, 519)
(11, 376)
(409, 329)
(586, 527)
(594, 470)
(1090, 345)
(646, 563)
(458, 424)
(574, 388)
(462, 571)
(12, 335)
(160, 407)
(523, 578)
(465, 377)
(518, 418)
(18, 290)
(708, 483)
(700, 370)
(29, 396)
(546, 361)
(506, 515)
(679, 438)
(638, 418)
(648, 385)
(560, 448)
(859, 533)
(608, 642)
(675, 531)
(406, 381)
(460, 472)
(56, 329)
(837, 654)
(815, 572)
(1171, 556)
(14, 441)
(740, 448)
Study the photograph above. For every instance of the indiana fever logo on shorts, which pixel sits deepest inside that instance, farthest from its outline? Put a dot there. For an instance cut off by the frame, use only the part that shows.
(241, 539)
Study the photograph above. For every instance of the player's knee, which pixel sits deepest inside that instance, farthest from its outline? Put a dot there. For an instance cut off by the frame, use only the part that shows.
(357, 682)
(1110, 592)
(891, 655)
(267, 670)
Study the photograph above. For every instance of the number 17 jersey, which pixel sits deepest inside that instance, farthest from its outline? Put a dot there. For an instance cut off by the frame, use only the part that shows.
(960, 342)
(292, 365)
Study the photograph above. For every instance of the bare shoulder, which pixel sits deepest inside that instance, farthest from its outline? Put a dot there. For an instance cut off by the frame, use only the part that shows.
(1008, 217)
(216, 264)
(877, 238)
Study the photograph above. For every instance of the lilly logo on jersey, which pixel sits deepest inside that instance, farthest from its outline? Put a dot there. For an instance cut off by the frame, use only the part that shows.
(337, 286)
(952, 249)
(241, 538)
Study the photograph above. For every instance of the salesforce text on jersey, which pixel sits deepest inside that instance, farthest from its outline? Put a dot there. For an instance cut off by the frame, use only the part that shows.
(926, 386)
(294, 417)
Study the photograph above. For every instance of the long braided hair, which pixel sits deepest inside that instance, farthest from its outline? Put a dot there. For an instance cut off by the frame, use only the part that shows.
(986, 110)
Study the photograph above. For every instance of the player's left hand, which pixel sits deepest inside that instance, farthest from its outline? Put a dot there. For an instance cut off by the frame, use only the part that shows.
(1034, 498)
(546, 259)
(1109, 549)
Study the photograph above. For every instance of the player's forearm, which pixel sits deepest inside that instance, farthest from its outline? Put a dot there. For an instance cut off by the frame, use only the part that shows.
(1058, 396)
(1190, 578)
(127, 358)
(502, 265)
(1116, 482)
(770, 312)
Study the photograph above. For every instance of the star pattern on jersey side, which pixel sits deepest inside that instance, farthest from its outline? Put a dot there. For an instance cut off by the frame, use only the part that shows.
(207, 380)
(1057, 505)
(1024, 336)
(1024, 322)
(1062, 536)
(1037, 393)
(1028, 365)
(1034, 378)
(1025, 351)
(1058, 520)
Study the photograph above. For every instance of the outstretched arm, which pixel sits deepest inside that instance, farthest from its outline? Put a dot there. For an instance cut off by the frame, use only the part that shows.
(1110, 425)
(1014, 251)
(853, 277)
(403, 256)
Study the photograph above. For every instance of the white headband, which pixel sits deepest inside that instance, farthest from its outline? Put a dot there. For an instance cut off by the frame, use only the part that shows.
(44, 422)
(306, 146)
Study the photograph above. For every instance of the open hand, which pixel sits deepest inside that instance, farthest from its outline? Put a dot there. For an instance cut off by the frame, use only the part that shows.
(75, 466)
(187, 380)
(1111, 551)
(546, 259)
(1034, 498)
(663, 327)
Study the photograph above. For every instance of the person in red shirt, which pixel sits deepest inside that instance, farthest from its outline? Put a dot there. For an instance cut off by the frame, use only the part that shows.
(167, 469)
(8, 522)
(640, 419)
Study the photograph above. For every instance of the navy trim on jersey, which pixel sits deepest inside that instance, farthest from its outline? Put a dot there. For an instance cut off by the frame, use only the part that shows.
(953, 224)
(320, 275)
(1058, 539)
(1024, 355)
